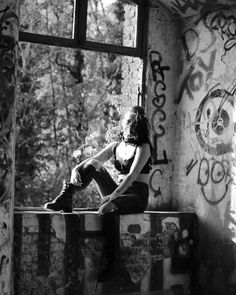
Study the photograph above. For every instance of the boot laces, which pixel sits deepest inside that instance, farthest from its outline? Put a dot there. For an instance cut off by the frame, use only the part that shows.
(66, 186)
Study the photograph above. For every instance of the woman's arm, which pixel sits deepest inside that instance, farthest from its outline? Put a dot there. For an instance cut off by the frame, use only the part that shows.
(106, 153)
(101, 157)
(141, 157)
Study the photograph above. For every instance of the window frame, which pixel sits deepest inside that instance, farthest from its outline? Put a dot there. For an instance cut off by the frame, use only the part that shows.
(78, 39)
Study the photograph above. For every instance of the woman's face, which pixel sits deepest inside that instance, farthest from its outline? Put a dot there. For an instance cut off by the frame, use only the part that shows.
(128, 124)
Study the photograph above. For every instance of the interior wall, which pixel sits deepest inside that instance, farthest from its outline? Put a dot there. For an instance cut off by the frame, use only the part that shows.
(163, 47)
(192, 65)
(205, 114)
(8, 53)
(60, 254)
(203, 179)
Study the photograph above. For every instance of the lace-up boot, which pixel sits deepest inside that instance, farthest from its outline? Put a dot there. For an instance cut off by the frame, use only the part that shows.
(63, 202)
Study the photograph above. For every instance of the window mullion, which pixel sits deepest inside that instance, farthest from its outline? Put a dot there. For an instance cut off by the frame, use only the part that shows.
(95, 46)
(45, 39)
(141, 29)
(80, 21)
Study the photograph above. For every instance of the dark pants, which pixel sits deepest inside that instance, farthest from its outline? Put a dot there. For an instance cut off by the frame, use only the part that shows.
(133, 200)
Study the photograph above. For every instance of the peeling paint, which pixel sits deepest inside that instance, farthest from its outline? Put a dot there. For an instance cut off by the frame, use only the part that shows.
(73, 265)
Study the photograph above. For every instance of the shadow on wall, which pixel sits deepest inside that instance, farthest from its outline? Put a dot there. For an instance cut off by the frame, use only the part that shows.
(217, 256)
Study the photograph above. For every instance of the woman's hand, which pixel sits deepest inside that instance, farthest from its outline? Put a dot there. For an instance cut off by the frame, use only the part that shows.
(107, 207)
(75, 177)
(108, 198)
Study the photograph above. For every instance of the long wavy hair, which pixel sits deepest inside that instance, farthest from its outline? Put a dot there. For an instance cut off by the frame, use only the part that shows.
(141, 127)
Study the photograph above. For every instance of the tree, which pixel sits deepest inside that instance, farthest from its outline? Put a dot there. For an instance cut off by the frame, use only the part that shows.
(64, 107)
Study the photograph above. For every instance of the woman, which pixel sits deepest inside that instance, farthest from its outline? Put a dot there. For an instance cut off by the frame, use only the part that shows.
(132, 157)
(132, 160)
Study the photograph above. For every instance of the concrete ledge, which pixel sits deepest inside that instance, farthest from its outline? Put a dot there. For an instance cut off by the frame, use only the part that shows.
(59, 253)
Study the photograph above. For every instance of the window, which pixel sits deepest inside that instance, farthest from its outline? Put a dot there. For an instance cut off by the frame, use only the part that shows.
(84, 19)
(69, 95)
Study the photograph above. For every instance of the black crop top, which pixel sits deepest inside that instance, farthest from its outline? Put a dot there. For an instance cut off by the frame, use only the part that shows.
(124, 166)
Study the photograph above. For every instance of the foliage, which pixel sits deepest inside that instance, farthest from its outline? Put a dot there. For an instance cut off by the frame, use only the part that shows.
(64, 107)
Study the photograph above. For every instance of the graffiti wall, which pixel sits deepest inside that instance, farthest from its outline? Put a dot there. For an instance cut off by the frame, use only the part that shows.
(197, 170)
(205, 133)
(205, 113)
(8, 37)
(61, 254)
(162, 72)
(186, 8)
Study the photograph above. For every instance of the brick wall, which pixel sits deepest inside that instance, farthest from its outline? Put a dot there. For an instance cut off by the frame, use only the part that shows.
(132, 67)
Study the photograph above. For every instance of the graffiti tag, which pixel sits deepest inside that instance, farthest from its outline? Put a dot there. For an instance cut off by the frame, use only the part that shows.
(159, 115)
(194, 81)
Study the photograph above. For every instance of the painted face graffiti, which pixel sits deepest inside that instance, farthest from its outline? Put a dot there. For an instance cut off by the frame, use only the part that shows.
(211, 173)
